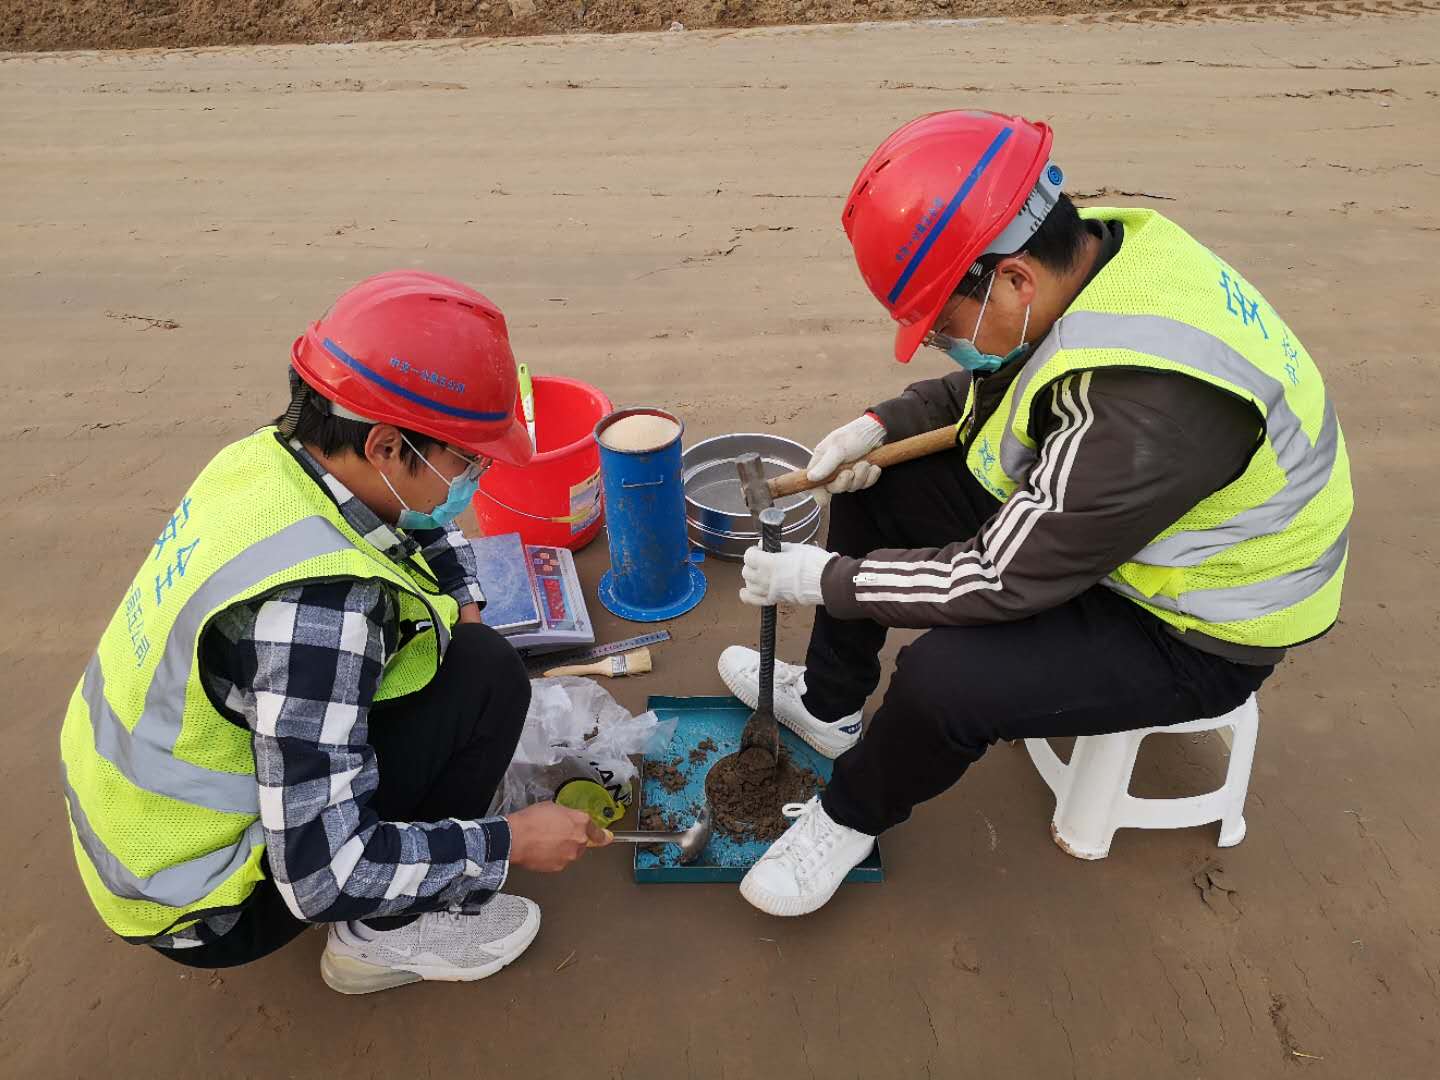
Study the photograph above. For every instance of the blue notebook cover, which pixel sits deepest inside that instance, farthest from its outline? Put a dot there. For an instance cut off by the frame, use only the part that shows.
(505, 578)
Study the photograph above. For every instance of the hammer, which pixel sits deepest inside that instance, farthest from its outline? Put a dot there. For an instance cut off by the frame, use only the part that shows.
(917, 446)
(761, 731)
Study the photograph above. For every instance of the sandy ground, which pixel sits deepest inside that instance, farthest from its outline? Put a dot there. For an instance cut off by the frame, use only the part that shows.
(658, 214)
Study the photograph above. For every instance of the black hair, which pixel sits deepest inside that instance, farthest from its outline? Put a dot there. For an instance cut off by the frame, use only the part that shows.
(333, 435)
(1057, 245)
(1060, 241)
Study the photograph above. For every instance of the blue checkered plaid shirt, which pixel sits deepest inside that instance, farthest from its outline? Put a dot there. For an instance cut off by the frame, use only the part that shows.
(300, 668)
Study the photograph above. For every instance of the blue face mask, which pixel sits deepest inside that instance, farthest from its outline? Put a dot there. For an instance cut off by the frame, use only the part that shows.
(970, 358)
(462, 490)
(965, 353)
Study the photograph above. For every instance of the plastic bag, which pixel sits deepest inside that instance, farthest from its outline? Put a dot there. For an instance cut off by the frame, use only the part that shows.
(576, 730)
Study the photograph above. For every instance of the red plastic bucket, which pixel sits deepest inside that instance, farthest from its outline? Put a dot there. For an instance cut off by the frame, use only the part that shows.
(556, 499)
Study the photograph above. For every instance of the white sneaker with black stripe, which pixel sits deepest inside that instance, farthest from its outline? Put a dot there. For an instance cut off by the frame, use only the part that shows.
(801, 871)
(740, 668)
(439, 946)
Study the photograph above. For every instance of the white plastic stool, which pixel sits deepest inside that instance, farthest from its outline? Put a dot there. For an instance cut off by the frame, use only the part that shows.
(1092, 792)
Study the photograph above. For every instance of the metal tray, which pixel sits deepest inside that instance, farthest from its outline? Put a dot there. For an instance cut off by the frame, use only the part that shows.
(715, 510)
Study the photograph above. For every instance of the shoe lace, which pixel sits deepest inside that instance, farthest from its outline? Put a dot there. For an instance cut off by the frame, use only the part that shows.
(437, 925)
(810, 839)
(452, 932)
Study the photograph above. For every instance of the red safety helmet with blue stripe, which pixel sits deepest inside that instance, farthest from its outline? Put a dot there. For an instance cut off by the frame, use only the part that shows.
(938, 194)
(423, 352)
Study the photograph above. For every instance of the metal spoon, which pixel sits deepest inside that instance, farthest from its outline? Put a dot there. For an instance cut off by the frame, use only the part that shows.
(691, 841)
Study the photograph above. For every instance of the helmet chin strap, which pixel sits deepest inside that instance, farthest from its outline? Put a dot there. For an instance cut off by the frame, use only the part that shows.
(300, 392)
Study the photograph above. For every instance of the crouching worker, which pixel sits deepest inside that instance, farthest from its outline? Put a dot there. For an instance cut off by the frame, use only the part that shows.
(296, 716)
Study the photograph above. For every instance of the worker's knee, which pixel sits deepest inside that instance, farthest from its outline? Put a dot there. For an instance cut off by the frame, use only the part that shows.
(476, 643)
(486, 661)
(861, 521)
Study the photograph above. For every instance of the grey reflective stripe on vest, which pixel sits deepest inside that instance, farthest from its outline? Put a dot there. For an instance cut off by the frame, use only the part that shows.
(145, 755)
(1015, 457)
(1307, 466)
(157, 770)
(164, 711)
(1240, 602)
(175, 886)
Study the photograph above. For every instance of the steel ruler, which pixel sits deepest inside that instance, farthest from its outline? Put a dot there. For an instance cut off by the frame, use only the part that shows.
(545, 661)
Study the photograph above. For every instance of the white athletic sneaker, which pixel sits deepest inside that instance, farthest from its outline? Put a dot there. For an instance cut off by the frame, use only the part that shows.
(802, 869)
(740, 668)
(440, 946)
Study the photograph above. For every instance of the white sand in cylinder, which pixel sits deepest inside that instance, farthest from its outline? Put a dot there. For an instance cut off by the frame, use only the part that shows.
(639, 432)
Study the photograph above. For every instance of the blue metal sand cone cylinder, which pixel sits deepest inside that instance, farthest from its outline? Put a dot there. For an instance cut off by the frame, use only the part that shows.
(651, 577)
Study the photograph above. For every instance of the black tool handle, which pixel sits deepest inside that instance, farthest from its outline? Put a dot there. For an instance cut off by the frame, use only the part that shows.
(771, 523)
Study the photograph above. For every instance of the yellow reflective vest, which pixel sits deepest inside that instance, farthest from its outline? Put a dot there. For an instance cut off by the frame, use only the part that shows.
(1261, 561)
(160, 786)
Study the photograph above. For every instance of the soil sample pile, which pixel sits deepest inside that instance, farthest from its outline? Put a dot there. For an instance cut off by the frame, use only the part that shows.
(702, 751)
(667, 774)
(746, 794)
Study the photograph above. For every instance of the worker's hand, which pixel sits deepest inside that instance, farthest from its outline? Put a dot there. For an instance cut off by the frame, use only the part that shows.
(549, 837)
(846, 446)
(470, 613)
(791, 576)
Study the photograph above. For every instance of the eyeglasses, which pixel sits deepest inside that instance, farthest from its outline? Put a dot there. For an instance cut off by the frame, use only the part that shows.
(938, 339)
(475, 465)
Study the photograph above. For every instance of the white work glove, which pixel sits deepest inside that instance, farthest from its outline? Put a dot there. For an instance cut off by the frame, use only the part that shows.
(846, 446)
(789, 576)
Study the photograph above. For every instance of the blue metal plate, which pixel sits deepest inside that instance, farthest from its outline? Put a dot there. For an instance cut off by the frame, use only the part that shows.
(720, 719)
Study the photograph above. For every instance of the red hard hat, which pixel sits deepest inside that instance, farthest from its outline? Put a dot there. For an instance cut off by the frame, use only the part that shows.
(423, 352)
(939, 193)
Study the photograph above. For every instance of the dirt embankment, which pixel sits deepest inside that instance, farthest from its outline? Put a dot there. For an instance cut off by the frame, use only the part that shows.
(130, 24)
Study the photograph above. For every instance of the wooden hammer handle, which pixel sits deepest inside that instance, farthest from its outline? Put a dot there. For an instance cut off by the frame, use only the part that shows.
(917, 446)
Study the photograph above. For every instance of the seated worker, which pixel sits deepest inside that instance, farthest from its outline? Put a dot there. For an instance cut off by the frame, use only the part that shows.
(1147, 504)
(295, 715)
